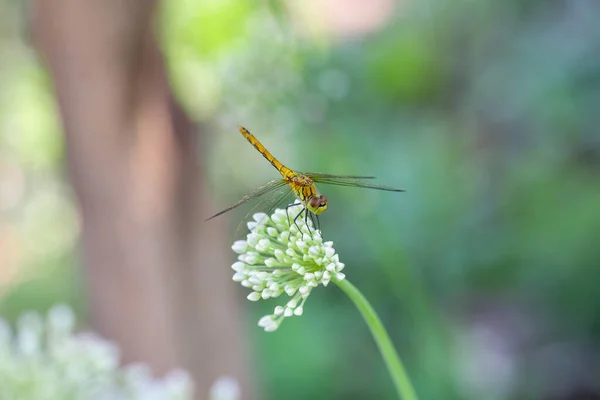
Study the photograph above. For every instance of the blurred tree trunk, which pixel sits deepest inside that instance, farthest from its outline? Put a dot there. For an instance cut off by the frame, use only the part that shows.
(159, 283)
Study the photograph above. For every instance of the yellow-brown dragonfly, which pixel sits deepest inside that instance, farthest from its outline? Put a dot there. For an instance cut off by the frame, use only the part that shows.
(300, 184)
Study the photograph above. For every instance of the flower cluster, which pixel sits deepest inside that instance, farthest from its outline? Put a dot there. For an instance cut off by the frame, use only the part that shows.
(225, 388)
(45, 359)
(280, 256)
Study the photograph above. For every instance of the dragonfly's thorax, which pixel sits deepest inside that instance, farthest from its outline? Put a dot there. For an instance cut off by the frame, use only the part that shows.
(303, 187)
(300, 180)
(305, 190)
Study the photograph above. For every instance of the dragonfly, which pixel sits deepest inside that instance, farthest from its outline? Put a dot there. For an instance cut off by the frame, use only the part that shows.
(299, 184)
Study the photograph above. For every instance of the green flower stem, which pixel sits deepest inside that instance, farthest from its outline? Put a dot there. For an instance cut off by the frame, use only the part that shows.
(392, 361)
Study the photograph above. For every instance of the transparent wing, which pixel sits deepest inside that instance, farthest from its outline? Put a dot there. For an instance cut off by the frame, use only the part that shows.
(264, 190)
(267, 203)
(349, 181)
(318, 175)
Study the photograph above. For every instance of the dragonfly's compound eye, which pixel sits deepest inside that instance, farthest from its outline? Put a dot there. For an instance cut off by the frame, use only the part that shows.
(322, 201)
(317, 204)
(314, 202)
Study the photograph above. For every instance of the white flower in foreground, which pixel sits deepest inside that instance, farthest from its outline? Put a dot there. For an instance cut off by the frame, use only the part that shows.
(277, 258)
(225, 388)
(45, 359)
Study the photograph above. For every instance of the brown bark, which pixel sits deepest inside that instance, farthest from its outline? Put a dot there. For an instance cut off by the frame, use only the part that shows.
(159, 283)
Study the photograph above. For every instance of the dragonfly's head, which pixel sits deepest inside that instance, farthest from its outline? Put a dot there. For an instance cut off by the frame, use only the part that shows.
(317, 204)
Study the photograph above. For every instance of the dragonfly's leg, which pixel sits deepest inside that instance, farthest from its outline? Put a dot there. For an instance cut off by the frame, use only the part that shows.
(287, 213)
(306, 220)
(318, 222)
(299, 214)
(312, 219)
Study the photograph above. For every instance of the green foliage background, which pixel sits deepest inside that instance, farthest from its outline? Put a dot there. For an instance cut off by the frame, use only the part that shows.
(486, 112)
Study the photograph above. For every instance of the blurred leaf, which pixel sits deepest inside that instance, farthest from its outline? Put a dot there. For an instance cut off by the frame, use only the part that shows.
(405, 67)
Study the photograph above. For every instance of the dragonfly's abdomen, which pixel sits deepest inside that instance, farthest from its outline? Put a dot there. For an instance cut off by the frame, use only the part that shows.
(283, 170)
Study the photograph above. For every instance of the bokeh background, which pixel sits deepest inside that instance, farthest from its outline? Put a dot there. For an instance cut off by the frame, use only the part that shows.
(485, 271)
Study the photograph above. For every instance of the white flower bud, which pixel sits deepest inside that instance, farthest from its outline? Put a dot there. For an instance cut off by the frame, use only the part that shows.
(278, 218)
(260, 217)
(284, 237)
(254, 296)
(238, 277)
(240, 246)
(292, 303)
(254, 280)
(262, 275)
(270, 262)
(263, 245)
(266, 320)
(238, 266)
(290, 290)
(252, 239)
(279, 254)
(246, 283)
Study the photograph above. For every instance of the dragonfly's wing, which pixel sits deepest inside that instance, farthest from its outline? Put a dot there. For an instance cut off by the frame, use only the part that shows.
(265, 189)
(349, 181)
(318, 175)
(280, 196)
